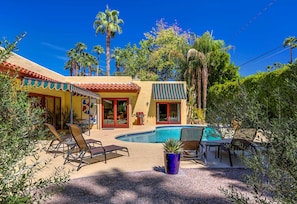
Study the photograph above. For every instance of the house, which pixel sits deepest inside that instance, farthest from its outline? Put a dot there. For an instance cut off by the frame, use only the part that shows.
(100, 101)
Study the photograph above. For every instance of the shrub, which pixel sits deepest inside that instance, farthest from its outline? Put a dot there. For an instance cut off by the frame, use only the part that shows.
(21, 133)
(274, 171)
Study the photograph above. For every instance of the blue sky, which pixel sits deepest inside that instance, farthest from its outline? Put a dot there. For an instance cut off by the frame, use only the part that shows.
(255, 28)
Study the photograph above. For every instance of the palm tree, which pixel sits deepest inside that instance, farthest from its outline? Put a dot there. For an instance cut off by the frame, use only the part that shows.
(203, 50)
(99, 50)
(202, 75)
(108, 23)
(292, 43)
(72, 63)
(80, 48)
(91, 63)
(116, 56)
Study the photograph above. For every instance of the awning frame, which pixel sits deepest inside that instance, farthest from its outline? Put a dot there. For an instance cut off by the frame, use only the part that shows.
(73, 89)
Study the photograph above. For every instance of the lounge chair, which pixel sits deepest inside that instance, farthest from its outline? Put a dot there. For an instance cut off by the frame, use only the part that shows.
(248, 134)
(192, 147)
(240, 143)
(58, 140)
(86, 150)
(62, 141)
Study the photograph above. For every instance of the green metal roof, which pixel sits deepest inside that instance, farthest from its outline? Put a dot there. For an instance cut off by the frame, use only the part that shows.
(169, 91)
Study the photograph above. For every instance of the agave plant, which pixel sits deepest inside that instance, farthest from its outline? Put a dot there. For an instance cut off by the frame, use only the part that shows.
(173, 146)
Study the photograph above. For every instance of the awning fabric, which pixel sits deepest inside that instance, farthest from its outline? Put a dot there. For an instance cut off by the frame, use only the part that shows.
(169, 91)
(58, 86)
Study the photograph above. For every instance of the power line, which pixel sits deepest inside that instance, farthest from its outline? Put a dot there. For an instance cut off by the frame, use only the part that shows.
(262, 55)
(274, 54)
(252, 20)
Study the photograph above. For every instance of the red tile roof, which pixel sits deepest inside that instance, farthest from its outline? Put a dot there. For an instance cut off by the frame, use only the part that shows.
(110, 87)
(22, 72)
(95, 87)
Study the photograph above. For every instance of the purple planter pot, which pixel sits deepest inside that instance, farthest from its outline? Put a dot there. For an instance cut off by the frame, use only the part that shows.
(172, 161)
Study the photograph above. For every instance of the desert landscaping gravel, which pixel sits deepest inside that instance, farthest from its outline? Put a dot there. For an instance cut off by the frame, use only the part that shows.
(196, 185)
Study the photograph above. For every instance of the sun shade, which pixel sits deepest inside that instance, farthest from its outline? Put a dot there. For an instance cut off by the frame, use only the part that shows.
(58, 86)
(169, 91)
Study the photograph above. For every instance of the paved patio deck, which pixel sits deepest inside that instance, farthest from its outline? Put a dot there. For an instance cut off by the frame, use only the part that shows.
(143, 156)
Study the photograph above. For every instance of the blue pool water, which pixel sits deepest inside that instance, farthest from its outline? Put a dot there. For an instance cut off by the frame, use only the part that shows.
(161, 134)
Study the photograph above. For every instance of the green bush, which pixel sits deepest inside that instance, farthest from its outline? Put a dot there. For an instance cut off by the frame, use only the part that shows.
(273, 177)
(267, 85)
(21, 133)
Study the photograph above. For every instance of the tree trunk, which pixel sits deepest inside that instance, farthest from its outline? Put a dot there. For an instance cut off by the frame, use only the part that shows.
(97, 70)
(204, 84)
(199, 87)
(108, 36)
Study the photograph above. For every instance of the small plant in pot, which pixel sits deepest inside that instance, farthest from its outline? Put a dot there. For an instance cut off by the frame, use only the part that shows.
(172, 153)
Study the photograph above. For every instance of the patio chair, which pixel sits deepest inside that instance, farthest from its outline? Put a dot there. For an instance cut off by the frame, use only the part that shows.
(85, 150)
(248, 134)
(237, 145)
(62, 141)
(192, 147)
(58, 140)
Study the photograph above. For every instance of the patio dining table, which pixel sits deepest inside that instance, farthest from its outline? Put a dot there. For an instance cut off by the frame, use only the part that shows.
(216, 144)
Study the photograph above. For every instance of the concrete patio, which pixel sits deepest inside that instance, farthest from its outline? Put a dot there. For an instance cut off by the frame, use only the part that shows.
(143, 156)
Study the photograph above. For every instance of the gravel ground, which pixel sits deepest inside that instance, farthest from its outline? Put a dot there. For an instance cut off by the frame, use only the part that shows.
(199, 185)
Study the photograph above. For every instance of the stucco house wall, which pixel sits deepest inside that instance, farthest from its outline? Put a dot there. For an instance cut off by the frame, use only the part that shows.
(140, 101)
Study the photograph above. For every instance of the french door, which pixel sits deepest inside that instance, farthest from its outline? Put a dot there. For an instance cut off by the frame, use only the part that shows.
(52, 107)
(168, 113)
(115, 113)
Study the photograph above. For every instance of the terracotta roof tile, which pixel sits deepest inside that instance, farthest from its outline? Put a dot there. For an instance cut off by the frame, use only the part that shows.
(110, 87)
(23, 72)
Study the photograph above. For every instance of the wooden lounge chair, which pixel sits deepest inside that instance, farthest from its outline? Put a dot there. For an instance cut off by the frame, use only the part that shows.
(86, 150)
(192, 147)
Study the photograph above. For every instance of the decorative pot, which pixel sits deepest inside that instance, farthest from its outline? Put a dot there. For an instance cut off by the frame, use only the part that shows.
(172, 161)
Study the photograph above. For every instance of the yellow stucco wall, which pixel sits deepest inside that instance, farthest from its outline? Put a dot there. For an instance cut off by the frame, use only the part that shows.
(145, 102)
(138, 102)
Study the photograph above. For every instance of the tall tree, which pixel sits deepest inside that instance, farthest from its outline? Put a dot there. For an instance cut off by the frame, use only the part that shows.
(207, 54)
(108, 23)
(74, 55)
(196, 55)
(91, 63)
(80, 48)
(72, 63)
(116, 55)
(292, 43)
(98, 49)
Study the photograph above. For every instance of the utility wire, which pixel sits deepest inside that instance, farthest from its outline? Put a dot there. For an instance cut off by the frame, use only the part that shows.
(274, 54)
(262, 55)
(251, 20)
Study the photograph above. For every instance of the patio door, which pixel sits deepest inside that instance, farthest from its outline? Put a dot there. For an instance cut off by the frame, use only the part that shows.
(115, 113)
(168, 113)
(52, 107)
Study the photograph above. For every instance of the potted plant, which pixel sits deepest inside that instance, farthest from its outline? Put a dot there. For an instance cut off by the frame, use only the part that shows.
(172, 153)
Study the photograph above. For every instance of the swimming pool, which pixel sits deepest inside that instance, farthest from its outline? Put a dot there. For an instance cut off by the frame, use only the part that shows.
(161, 134)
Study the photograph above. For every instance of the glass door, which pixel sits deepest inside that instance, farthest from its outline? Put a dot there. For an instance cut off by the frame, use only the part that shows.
(168, 113)
(108, 113)
(115, 113)
(121, 112)
(162, 113)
